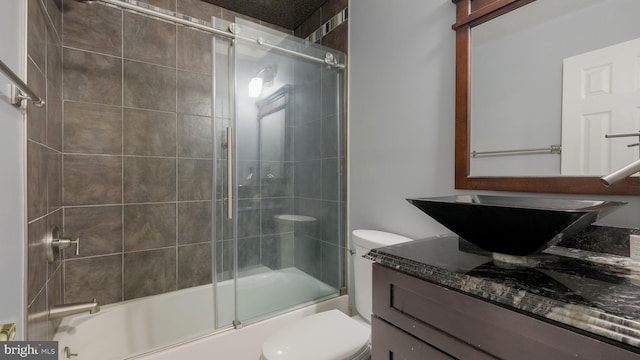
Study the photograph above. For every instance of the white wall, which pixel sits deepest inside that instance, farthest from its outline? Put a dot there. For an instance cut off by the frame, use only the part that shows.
(12, 144)
(401, 111)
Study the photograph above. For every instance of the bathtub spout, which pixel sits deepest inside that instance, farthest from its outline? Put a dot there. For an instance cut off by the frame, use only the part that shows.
(60, 311)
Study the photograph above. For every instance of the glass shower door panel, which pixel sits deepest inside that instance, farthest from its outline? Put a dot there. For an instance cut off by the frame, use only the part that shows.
(289, 252)
(224, 230)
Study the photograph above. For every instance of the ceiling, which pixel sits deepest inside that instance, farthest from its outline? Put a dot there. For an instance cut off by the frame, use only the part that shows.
(286, 13)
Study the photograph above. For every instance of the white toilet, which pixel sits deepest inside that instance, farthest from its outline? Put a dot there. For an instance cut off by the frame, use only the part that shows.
(332, 335)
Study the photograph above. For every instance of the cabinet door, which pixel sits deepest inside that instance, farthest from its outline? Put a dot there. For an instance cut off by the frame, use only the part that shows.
(391, 343)
(470, 328)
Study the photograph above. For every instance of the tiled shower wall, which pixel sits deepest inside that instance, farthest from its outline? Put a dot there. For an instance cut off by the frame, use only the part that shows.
(138, 151)
(138, 154)
(44, 156)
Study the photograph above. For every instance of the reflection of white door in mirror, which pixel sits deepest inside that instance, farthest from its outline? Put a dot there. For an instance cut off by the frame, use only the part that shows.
(601, 95)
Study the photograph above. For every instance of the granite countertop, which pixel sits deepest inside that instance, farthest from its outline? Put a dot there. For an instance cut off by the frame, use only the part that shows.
(595, 292)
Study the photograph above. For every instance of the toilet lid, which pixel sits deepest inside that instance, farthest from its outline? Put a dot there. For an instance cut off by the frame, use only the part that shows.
(327, 335)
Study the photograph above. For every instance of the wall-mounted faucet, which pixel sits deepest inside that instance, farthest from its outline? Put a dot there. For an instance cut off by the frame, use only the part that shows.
(60, 311)
(626, 171)
(620, 174)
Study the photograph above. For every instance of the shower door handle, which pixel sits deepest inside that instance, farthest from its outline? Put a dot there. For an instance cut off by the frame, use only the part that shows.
(229, 173)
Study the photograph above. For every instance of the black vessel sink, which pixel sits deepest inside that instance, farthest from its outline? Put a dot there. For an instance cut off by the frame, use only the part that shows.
(511, 225)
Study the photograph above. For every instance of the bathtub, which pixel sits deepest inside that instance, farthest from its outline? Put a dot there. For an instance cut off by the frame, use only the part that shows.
(132, 328)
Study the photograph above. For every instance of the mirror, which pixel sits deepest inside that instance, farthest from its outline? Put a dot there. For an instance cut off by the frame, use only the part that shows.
(509, 92)
(273, 130)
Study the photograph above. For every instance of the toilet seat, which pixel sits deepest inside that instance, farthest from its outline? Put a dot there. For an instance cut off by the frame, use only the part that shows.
(329, 335)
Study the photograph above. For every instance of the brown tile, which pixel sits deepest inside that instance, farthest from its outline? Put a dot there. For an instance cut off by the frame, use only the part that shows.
(91, 180)
(37, 116)
(36, 181)
(149, 40)
(54, 118)
(195, 136)
(54, 8)
(149, 86)
(199, 9)
(149, 273)
(149, 179)
(97, 277)
(92, 128)
(36, 258)
(94, 28)
(54, 60)
(98, 227)
(194, 222)
(194, 50)
(194, 93)
(149, 226)
(195, 179)
(194, 265)
(53, 161)
(337, 39)
(37, 34)
(92, 77)
(150, 133)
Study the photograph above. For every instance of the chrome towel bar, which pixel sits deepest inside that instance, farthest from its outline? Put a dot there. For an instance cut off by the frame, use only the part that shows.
(20, 91)
(552, 149)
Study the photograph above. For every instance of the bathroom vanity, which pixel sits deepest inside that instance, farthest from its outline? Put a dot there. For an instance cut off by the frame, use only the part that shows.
(437, 299)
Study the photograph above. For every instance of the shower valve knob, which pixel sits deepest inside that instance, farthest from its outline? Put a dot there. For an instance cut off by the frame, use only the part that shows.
(54, 242)
(64, 243)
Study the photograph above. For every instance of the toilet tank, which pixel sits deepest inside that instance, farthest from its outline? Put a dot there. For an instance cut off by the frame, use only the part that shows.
(361, 242)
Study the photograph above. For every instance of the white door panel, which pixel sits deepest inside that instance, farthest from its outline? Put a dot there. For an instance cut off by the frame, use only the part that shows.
(601, 95)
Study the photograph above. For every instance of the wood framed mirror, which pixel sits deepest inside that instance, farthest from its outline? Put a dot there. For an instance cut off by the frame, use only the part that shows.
(471, 13)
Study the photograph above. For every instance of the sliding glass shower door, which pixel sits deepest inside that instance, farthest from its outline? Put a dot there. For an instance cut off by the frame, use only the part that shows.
(282, 244)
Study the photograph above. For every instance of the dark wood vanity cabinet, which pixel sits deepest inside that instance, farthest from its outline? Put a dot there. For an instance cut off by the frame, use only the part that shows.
(416, 319)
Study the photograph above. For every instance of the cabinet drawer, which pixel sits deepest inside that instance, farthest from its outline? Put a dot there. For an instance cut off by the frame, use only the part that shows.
(445, 318)
(391, 343)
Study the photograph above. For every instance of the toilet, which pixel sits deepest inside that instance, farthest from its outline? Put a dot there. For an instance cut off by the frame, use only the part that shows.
(332, 335)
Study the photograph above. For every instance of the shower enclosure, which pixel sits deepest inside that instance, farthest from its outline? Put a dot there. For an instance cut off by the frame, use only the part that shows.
(283, 212)
(230, 170)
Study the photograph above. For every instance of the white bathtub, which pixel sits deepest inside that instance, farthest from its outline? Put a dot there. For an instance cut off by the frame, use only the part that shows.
(135, 327)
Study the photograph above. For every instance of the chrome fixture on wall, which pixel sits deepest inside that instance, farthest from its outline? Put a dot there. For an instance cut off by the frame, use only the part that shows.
(620, 174)
(626, 171)
(53, 243)
(20, 91)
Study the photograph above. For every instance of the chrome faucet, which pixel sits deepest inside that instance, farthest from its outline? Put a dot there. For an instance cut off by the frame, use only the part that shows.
(622, 173)
(60, 311)
(626, 171)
